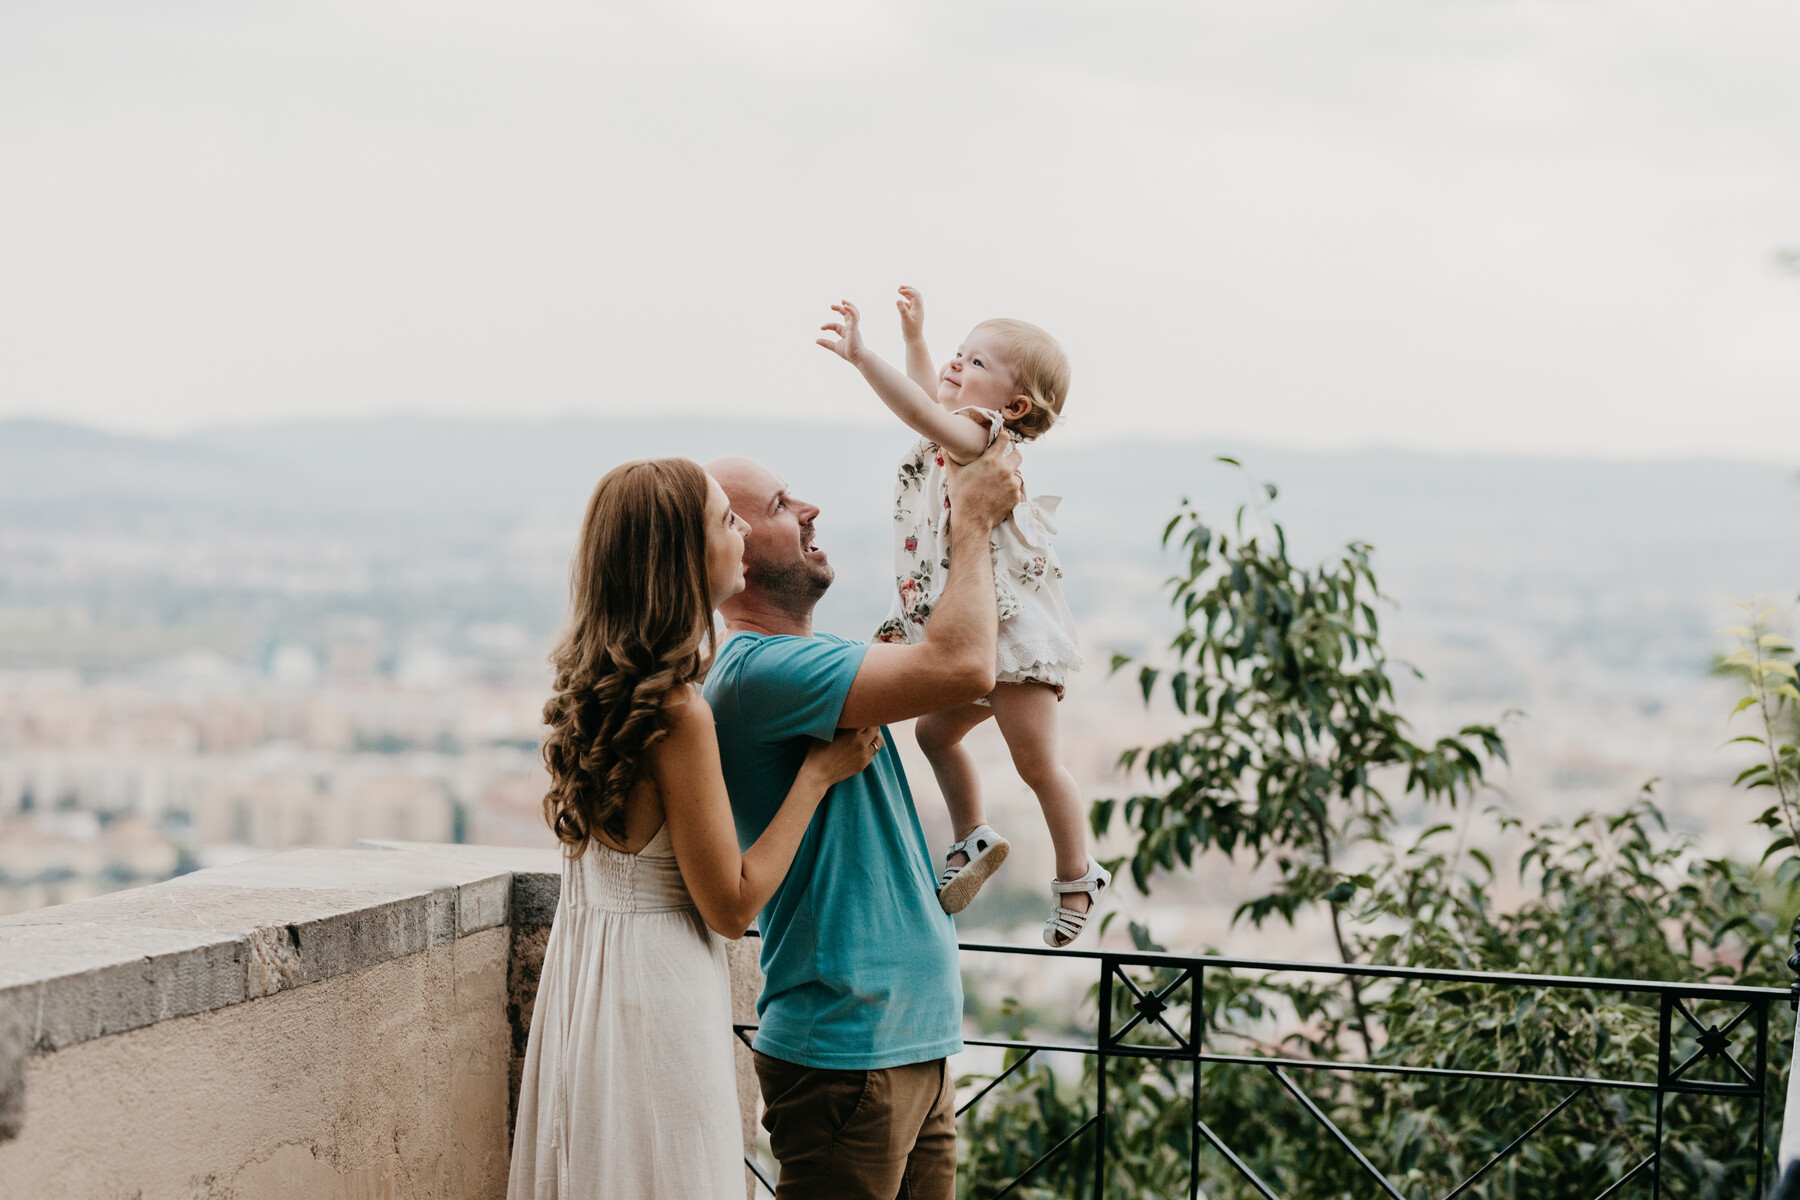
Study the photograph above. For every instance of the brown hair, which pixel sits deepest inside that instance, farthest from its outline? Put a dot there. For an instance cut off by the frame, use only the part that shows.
(639, 610)
(1040, 371)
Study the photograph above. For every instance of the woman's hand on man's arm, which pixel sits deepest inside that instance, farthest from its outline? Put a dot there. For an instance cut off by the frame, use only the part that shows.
(730, 888)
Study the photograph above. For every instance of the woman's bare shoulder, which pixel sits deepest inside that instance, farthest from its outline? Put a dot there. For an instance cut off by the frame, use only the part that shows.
(687, 710)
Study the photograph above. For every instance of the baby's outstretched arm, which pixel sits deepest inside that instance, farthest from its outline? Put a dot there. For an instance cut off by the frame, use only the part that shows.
(919, 367)
(963, 437)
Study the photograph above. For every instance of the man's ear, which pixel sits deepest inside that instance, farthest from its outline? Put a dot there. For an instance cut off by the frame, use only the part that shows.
(1016, 407)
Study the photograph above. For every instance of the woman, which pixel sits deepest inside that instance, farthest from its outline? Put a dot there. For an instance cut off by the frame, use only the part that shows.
(628, 1089)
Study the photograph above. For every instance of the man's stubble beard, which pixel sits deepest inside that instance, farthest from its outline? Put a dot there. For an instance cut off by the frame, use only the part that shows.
(796, 585)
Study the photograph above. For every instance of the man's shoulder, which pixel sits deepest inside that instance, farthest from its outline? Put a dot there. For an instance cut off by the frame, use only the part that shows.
(743, 651)
(783, 685)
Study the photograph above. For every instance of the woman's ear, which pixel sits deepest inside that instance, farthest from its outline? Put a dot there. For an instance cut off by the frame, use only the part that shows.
(1016, 407)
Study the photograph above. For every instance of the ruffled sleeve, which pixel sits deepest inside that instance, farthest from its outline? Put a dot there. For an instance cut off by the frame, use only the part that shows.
(991, 418)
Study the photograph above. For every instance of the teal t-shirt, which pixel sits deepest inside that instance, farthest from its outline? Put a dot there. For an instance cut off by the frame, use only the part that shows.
(860, 962)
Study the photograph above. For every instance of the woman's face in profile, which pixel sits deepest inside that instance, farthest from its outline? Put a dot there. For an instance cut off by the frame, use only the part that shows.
(724, 545)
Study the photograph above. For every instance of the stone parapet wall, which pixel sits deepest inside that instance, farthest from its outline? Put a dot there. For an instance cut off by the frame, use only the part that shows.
(313, 1023)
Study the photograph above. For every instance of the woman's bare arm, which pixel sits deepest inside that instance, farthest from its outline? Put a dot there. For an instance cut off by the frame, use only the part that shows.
(730, 888)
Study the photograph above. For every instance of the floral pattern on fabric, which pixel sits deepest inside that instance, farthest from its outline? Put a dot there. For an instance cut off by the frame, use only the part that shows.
(1037, 640)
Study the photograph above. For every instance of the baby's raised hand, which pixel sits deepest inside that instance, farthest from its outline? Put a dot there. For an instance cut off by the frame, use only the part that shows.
(912, 312)
(848, 345)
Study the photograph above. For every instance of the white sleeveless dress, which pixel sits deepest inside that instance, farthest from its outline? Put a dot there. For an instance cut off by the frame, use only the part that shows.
(629, 1090)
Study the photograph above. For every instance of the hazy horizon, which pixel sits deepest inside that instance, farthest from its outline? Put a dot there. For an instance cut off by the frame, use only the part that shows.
(1210, 443)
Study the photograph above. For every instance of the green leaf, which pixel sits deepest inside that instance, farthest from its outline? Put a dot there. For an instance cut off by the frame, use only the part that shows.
(1147, 681)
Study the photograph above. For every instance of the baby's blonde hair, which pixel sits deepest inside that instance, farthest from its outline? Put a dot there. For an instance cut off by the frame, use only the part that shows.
(1040, 372)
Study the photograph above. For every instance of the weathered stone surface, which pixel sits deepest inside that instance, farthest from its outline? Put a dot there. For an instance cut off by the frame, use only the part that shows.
(196, 949)
(535, 895)
(15, 1043)
(82, 981)
(222, 936)
(389, 1082)
(525, 966)
(744, 958)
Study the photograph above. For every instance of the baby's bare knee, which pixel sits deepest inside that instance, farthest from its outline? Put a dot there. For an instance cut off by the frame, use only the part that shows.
(935, 734)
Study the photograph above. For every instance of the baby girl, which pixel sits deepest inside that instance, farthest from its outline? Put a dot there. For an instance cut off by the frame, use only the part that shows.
(1013, 376)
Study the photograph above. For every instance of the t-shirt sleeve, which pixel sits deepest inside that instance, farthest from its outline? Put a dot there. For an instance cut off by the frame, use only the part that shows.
(793, 686)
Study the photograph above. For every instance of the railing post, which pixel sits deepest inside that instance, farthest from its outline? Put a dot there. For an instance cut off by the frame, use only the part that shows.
(1787, 1155)
(1106, 978)
(1196, 1044)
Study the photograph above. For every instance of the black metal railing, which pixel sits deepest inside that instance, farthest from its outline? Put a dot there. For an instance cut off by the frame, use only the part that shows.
(1695, 1055)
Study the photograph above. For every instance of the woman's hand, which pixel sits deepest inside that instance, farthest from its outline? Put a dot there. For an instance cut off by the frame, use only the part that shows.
(849, 344)
(844, 755)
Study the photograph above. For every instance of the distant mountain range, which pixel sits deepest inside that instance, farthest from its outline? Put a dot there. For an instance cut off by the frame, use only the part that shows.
(413, 516)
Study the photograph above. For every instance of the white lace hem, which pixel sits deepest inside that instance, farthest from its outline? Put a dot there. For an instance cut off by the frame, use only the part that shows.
(1030, 659)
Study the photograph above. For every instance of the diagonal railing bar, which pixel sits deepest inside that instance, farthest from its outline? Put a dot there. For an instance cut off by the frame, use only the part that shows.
(762, 1176)
(1319, 1116)
(995, 1081)
(1161, 996)
(1627, 1177)
(1703, 1052)
(1495, 1161)
(1239, 1164)
(1048, 1155)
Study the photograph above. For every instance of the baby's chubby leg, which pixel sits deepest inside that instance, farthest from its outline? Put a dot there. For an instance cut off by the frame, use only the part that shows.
(940, 736)
(1026, 713)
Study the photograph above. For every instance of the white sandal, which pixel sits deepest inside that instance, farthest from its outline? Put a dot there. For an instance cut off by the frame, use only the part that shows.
(1065, 924)
(958, 885)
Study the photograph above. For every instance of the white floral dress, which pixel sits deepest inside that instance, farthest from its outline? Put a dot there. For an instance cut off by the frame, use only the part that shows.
(1037, 635)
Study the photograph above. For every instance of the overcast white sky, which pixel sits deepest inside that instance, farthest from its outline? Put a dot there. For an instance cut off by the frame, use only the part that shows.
(1539, 226)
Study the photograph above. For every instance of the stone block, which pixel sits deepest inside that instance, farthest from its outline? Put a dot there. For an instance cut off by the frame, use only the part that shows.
(15, 1043)
(535, 896)
(83, 981)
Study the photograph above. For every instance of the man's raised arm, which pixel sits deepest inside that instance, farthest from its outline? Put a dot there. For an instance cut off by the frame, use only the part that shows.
(954, 665)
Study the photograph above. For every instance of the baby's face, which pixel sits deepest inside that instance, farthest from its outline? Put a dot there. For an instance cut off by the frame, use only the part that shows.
(977, 377)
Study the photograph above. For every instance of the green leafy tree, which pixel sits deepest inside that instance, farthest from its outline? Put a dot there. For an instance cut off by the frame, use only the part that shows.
(1295, 749)
(1298, 742)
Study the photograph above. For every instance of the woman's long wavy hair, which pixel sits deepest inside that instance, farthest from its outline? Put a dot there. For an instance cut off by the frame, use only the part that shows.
(640, 613)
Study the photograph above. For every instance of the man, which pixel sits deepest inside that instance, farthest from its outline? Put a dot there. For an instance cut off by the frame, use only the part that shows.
(862, 1003)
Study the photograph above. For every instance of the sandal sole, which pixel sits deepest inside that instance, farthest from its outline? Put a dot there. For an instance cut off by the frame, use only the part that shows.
(957, 894)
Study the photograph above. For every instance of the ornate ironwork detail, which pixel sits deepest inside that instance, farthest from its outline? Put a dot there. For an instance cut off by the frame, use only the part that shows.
(1746, 1068)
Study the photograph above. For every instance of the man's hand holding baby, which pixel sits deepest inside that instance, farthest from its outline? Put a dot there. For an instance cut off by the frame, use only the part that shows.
(989, 488)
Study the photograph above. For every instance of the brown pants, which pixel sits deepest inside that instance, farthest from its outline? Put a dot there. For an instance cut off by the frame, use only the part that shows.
(861, 1135)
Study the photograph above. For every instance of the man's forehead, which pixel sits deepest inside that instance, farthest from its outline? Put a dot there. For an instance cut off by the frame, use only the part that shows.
(747, 479)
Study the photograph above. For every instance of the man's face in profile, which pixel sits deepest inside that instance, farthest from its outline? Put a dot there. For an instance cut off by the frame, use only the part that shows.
(780, 557)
